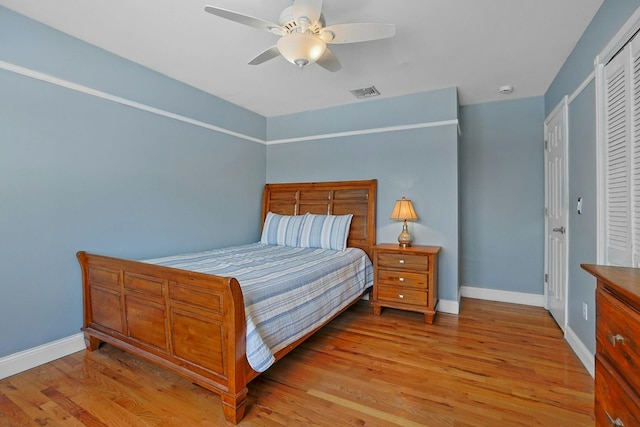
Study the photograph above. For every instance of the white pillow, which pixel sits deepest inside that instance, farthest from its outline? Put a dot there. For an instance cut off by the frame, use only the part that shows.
(283, 230)
(325, 231)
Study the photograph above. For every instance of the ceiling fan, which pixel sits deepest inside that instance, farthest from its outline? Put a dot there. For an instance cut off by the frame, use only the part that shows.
(304, 36)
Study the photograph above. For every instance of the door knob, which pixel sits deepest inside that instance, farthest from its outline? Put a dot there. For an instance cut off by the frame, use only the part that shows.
(559, 230)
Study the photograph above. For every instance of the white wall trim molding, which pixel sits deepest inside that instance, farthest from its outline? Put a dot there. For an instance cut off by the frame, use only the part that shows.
(129, 103)
(453, 122)
(580, 88)
(144, 107)
(30, 358)
(502, 296)
(581, 350)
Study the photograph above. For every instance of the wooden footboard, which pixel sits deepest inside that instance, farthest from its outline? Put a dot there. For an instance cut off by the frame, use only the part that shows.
(190, 323)
(193, 324)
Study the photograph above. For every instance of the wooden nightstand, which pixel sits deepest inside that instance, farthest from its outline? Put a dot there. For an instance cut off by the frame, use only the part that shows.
(406, 278)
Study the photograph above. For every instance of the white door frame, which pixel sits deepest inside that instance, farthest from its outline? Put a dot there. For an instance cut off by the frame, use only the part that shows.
(561, 108)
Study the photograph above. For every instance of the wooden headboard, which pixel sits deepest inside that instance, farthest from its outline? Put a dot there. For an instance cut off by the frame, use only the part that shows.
(329, 198)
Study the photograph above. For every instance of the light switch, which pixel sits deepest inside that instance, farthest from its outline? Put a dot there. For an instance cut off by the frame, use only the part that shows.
(579, 206)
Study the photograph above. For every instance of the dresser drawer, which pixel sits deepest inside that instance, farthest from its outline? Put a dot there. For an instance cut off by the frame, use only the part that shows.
(402, 295)
(402, 278)
(403, 261)
(614, 402)
(617, 332)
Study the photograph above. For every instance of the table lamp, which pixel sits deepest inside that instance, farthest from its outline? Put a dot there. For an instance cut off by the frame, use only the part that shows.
(403, 211)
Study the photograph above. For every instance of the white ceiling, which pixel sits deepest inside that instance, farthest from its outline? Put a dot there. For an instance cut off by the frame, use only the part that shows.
(472, 44)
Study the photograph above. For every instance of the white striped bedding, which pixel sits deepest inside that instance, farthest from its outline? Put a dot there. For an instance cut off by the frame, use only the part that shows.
(288, 291)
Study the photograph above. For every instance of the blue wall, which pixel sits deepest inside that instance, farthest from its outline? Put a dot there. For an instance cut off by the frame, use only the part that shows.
(421, 164)
(502, 195)
(29, 44)
(582, 228)
(582, 154)
(78, 172)
(81, 172)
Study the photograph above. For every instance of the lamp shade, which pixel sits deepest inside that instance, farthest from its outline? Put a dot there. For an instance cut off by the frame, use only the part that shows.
(301, 48)
(403, 210)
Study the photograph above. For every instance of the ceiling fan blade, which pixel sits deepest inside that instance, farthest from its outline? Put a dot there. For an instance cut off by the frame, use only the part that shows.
(329, 61)
(355, 33)
(312, 9)
(268, 54)
(245, 19)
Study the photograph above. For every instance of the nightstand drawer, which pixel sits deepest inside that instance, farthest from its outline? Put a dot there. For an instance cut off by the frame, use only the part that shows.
(403, 261)
(403, 295)
(402, 278)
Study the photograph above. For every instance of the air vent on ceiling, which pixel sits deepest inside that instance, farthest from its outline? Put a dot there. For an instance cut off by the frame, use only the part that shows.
(365, 92)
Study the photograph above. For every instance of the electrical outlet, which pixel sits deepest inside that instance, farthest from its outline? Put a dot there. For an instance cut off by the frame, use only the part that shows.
(584, 310)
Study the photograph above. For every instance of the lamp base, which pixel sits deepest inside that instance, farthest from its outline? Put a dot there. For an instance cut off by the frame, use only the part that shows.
(404, 239)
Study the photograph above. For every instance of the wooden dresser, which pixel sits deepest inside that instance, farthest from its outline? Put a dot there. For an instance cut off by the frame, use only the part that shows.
(617, 389)
(406, 278)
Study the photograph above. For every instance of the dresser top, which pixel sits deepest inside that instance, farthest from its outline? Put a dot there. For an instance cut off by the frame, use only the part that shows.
(624, 281)
(413, 248)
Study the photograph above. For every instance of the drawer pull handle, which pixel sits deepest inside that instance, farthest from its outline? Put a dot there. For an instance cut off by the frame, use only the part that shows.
(401, 261)
(616, 423)
(401, 279)
(614, 339)
(400, 296)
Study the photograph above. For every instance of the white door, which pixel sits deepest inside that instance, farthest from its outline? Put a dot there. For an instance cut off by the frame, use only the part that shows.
(556, 199)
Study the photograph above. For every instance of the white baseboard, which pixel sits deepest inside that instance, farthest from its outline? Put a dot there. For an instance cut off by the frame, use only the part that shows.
(31, 358)
(583, 353)
(27, 359)
(449, 306)
(453, 307)
(502, 296)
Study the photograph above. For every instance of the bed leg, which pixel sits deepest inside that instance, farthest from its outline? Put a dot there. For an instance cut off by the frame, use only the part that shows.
(92, 343)
(234, 406)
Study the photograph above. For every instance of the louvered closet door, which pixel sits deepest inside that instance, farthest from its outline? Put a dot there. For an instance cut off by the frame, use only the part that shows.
(635, 149)
(617, 167)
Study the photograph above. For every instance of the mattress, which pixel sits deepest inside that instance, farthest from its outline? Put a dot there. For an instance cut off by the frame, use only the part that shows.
(288, 291)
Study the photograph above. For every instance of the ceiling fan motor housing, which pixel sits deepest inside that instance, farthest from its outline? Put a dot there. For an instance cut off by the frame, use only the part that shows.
(289, 23)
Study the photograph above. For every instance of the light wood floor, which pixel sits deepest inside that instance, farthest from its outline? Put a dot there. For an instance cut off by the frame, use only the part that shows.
(495, 364)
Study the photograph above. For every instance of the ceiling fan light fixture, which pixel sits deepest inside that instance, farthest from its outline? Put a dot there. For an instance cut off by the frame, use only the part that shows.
(304, 36)
(301, 48)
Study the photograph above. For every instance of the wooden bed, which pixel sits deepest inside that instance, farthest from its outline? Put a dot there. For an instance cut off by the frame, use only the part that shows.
(193, 324)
